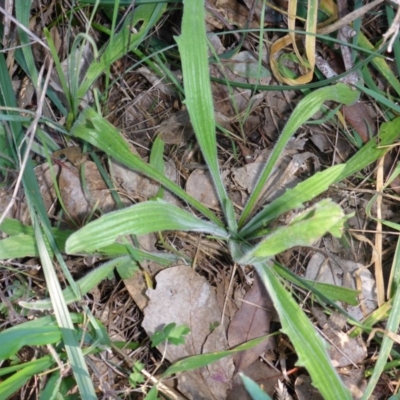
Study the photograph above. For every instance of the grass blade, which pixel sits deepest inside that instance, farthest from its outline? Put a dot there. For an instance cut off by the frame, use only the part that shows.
(74, 352)
(85, 284)
(16, 381)
(147, 16)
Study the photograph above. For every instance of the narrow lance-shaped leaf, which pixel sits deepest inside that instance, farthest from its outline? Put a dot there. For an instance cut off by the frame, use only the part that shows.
(140, 219)
(293, 198)
(192, 46)
(303, 230)
(90, 126)
(310, 348)
(320, 182)
(304, 110)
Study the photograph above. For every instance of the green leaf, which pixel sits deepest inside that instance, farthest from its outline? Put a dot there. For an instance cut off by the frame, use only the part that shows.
(153, 394)
(127, 269)
(303, 230)
(310, 347)
(293, 198)
(171, 333)
(326, 292)
(91, 127)
(124, 41)
(18, 246)
(26, 371)
(192, 46)
(140, 219)
(136, 377)
(85, 284)
(392, 326)
(374, 149)
(307, 107)
(63, 316)
(25, 245)
(38, 332)
(202, 360)
(52, 386)
(318, 183)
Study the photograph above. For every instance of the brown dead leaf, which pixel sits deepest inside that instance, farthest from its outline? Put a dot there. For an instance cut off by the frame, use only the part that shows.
(135, 185)
(343, 350)
(345, 273)
(358, 116)
(46, 185)
(230, 11)
(200, 186)
(252, 320)
(176, 129)
(77, 202)
(355, 380)
(184, 297)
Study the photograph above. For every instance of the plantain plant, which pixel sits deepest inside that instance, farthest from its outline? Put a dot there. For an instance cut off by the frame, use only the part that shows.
(252, 238)
(249, 237)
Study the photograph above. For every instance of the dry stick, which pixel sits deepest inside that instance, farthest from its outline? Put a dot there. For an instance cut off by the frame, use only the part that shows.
(41, 93)
(349, 18)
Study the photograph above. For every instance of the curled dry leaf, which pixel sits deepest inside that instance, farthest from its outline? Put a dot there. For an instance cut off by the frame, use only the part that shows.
(184, 297)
